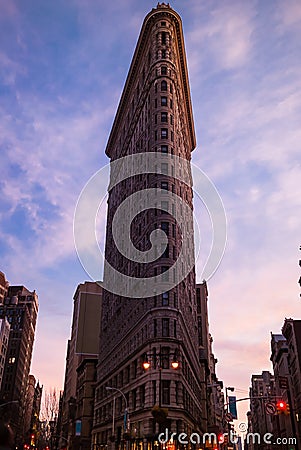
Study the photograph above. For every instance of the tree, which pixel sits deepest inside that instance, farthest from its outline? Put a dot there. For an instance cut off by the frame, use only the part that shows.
(49, 414)
(50, 406)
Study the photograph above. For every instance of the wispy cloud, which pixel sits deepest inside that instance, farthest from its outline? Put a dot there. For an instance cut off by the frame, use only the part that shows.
(63, 69)
(289, 14)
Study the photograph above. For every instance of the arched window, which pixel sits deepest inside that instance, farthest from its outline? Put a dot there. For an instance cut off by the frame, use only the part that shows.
(163, 85)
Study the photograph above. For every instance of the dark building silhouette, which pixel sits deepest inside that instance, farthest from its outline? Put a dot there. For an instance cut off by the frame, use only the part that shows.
(76, 402)
(3, 287)
(20, 307)
(291, 330)
(4, 337)
(282, 423)
(154, 116)
(262, 390)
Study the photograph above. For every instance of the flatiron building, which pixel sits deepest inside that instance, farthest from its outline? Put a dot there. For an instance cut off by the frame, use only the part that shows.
(161, 328)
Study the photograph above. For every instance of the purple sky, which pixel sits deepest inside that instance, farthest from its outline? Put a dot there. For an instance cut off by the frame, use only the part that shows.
(63, 66)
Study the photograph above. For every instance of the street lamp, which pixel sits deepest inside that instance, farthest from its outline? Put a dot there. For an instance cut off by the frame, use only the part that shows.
(231, 389)
(157, 358)
(126, 411)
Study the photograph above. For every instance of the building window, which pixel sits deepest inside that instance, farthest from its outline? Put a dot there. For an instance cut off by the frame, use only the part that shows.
(154, 392)
(165, 227)
(156, 103)
(127, 374)
(174, 254)
(163, 24)
(165, 299)
(171, 119)
(165, 357)
(163, 54)
(156, 135)
(135, 365)
(134, 399)
(174, 328)
(177, 383)
(163, 101)
(142, 395)
(163, 85)
(166, 392)
(164, 272)
(163, 70)
(163, 116)
(155, 328)
(164, 37)
(156, 88)
(165, 327)
(164, 185)
(165, 251)
(164, 148)
(164, 169)
(156, 119)
(175, 300)
(164, 133)
(165, 206)
(170, 103)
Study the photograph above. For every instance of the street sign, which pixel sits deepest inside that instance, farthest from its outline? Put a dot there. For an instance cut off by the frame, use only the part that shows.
(228, 417)
(232, 406)
(78, 428)
(270, 408)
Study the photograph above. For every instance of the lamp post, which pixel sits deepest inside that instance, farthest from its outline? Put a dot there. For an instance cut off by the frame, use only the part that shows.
(231, 389)
(158, 362)
(126, 411)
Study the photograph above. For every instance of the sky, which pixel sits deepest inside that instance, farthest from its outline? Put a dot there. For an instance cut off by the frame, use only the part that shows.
(63, 65)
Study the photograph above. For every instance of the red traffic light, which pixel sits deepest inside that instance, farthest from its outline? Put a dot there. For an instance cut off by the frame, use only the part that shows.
(281, 405)
(221, 438)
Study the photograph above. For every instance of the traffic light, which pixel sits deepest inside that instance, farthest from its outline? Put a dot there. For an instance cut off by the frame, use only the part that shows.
(288, 409)
(221, 438)
(281, 406)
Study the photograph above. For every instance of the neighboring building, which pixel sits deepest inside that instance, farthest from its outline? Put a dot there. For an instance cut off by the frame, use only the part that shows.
(4, 337)
(20, 307)
(215, 396)
(33, 406)
(291, 330)
(204, 352)
(212, 394)
(262, 391)
(82, 344)
(36, 408)
(85, 392)
(29, 404)
(3, 287)
(282, 423)
(154, 115)
(59, 435)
